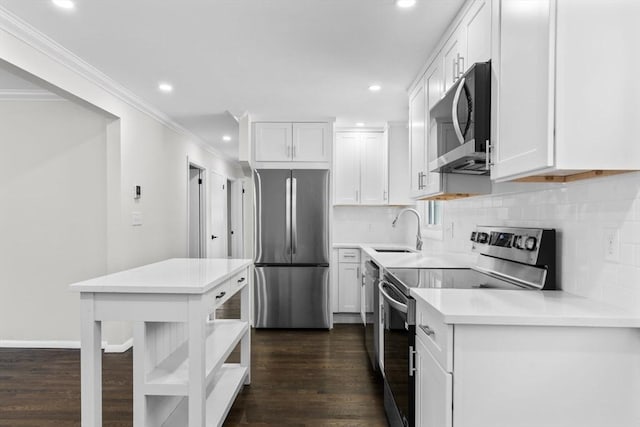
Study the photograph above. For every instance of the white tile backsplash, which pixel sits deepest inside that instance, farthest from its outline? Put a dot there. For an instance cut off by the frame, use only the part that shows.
(370, 224)
(581, 212)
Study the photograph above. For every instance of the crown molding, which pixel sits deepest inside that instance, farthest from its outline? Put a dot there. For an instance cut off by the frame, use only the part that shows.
(28, 34)
(29, 95)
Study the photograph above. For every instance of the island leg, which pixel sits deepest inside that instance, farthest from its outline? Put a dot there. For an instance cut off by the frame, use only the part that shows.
(245, 349)
(197, 361)
(90, 363)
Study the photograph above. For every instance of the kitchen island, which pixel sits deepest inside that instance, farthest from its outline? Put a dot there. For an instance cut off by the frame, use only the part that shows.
(180, 348)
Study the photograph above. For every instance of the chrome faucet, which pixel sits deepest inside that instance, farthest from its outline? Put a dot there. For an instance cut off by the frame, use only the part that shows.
(419, 235)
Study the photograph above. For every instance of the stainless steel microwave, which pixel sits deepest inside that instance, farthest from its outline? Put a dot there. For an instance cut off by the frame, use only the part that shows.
(463, 120)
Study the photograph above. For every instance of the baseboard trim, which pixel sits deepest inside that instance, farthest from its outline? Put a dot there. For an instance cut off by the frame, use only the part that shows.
(346, 318)
(71, 345)
(118, 348)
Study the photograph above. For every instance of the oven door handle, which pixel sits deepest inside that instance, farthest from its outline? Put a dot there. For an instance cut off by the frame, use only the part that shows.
(392, 302)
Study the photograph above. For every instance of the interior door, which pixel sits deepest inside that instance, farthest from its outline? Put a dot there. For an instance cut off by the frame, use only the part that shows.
(196, 203)
(273, 210)
(218, 224)
(310, 216)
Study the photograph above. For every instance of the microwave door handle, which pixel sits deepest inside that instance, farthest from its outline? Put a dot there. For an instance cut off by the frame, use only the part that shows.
(454, 111)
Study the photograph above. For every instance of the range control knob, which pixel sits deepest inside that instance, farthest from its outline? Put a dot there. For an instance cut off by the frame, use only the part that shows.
(482, 237)
(473, 236)
(530, 243)
(518, 242)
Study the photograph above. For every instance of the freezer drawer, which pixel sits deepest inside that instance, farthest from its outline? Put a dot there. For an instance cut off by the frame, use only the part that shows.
(291, 297)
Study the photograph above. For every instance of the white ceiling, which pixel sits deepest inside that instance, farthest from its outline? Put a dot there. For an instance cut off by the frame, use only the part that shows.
(302, 58)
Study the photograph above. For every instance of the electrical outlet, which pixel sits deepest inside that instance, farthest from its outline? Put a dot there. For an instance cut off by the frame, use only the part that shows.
(612, 244)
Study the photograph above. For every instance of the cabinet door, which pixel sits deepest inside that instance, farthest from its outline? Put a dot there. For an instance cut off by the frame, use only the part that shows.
(346, 169)
(478, 32)
(417, 138)
(434, 86)
(273, 142)
(311, 142)
(434, 390)
(348, 288)
(455, 62)
(524, 138)
(373, 169)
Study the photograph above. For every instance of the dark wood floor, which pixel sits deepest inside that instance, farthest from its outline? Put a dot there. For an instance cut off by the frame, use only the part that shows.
(311, 378)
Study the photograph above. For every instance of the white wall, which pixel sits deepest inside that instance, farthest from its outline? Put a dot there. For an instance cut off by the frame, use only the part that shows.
(371, 224)
(581, 212)
(53, 194)
(140, 150)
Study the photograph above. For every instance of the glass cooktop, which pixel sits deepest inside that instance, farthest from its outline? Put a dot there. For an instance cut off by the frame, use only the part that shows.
(407, 278)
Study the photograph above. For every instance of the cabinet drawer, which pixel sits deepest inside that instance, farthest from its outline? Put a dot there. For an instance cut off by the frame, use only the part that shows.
(436, 335)
(226, 290)
(349, 255)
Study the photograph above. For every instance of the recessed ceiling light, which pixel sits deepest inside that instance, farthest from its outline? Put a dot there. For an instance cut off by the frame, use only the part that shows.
(359, 124)
(165, 87)
(226, 138)
(375, 88)
(405, 3)
(64, 4)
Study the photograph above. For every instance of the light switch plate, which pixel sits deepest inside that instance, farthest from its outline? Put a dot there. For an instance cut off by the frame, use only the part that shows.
(136, 218)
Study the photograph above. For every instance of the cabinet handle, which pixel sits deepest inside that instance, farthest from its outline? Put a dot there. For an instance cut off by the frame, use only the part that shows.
(357, 196)
(454, 73)
(240, 280)
(220, 295)
(294, 151)
(288, 151)
(412, 364)
(427, 330)
(461, 67)
(357, 271)
(348, 256)
(488, 163)
(384, 195)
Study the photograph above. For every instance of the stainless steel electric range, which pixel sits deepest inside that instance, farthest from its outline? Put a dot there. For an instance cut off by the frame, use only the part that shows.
(508, 258)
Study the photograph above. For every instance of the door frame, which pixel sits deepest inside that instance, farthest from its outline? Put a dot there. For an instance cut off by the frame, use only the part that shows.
(203, 217)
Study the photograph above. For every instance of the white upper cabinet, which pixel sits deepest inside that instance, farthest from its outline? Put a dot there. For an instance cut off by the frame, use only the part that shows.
(274, 142)
(417, 116)
(361, 168)
(373, 169)
(434, 87)
(561, 112)
(455, 52)
(477, 28)
(292, 142)
(346, 169)
(311, 142)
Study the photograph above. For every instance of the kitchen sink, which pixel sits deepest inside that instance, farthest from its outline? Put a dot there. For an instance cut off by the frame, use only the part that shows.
(403, 251)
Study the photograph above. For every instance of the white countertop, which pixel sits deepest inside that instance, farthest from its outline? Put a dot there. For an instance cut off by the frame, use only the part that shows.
(172, 276)
(520, 307)
(433, 260)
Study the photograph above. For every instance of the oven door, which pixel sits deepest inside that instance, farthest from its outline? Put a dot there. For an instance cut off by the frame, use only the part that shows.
(399, 342)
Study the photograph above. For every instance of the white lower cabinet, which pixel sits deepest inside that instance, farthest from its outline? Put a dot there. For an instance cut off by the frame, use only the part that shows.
(433, 390)
(524, 375)
(349, 281)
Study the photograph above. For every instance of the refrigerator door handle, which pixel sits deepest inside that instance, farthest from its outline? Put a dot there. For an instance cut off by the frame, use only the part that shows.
(287, 217)
(294, 216)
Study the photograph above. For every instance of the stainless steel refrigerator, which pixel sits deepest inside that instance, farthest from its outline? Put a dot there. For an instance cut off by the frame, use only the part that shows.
(291, 286)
